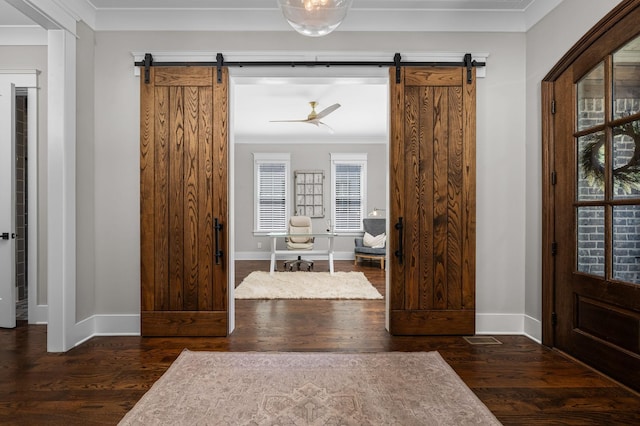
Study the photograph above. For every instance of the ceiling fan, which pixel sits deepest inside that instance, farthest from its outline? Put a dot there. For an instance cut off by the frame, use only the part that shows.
(314, 117)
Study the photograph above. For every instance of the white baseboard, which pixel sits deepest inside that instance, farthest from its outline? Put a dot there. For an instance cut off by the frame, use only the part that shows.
(533, 328)
(265, 255)
(106, 325)
(120, 325)
(518, 324)
(129, 325)
(39, 314)
(499, 324)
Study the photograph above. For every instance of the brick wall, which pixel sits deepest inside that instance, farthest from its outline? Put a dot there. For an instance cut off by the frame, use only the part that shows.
(626, 219)
(21, 197)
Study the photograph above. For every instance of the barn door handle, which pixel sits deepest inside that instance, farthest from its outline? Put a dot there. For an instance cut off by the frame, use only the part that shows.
(218, 253)
(399, 226)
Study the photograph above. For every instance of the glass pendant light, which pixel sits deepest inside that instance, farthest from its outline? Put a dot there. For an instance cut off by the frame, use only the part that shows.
(314, 18)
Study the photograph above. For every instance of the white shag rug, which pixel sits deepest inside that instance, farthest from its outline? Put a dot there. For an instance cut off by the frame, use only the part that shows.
(306, 285)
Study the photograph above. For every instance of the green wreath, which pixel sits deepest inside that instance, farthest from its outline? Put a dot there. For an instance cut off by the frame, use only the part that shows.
(627, 176)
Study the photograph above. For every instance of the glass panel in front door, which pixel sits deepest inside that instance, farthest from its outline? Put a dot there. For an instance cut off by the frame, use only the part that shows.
(591, 99)
(626, 80)
(626, 243)
(626, 160)
(607, 157)
(590, 157)
(591, 248)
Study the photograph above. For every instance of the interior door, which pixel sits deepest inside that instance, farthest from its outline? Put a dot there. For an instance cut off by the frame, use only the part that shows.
(596, 154)
(432, 200)
(7, 206)
(183, 202)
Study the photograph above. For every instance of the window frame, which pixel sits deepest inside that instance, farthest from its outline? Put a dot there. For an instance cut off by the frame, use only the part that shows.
(270, 158)
(352, 159)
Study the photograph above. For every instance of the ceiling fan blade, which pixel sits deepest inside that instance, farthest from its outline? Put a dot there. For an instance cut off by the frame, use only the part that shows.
(328, 110)
(329, 129)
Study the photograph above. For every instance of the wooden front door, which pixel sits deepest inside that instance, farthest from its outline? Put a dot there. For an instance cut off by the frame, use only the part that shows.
(183, 202)
(593, 202)
(432, 200)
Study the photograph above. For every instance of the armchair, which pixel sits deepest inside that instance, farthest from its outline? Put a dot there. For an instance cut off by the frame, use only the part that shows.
(372, 245)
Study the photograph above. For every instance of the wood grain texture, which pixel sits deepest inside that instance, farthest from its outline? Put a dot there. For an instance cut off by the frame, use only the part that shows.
(184, 323)
(469, 196)
(439, 202)
(220, 184)
(396, 187)
(425, 213)
(147, 194)
(176, 198)
(161, 208)
(412, 195)
(432, 76)
(191, 200)
(205, 199)
(189, 185)
(455, 207)
(184, 76)
(438, 188)
(548, 209)
(431, 323)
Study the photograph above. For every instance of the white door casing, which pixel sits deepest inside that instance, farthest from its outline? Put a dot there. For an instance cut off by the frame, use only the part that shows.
(7, 204)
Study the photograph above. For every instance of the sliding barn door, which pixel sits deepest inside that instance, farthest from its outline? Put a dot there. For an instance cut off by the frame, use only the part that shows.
(183, 202)
(432, 235)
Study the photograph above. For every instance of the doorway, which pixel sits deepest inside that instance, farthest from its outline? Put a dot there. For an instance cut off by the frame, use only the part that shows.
(591, 204)
(21, 204)
(18, 219)
(439, 107)
(359, 126)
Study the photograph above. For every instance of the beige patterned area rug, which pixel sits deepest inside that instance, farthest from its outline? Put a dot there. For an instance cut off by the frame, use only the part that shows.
(306, 285)
(253, 388)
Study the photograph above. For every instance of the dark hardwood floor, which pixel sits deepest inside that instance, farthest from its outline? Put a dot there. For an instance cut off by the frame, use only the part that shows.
(521, 382)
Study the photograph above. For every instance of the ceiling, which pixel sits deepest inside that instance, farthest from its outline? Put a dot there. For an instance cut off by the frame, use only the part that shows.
(361, 118)
(258, 100)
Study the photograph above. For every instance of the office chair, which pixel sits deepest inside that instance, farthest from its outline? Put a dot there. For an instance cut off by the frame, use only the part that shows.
(299, 225)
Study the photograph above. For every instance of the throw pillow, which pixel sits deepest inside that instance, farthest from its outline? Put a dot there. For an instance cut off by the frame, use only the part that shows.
(374, 242)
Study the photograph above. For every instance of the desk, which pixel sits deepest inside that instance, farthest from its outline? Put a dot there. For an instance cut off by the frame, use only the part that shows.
(328, 252)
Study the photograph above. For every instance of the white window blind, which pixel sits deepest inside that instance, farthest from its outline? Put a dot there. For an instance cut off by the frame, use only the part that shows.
(349, 191)
(272, 192)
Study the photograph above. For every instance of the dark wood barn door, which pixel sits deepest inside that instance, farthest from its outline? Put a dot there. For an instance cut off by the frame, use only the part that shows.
(592, 199)
(183, 202)
(432, 199)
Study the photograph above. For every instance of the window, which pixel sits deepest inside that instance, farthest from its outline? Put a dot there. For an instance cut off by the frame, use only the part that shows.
(348, 191)
(271, 173)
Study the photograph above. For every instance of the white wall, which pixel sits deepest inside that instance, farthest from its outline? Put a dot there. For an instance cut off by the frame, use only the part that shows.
(85, 211)
(547, 42)
(500, 148)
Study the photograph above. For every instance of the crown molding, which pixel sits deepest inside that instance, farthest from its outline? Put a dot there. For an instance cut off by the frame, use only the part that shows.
(538, 10)
(272, 20)
(258, 15)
